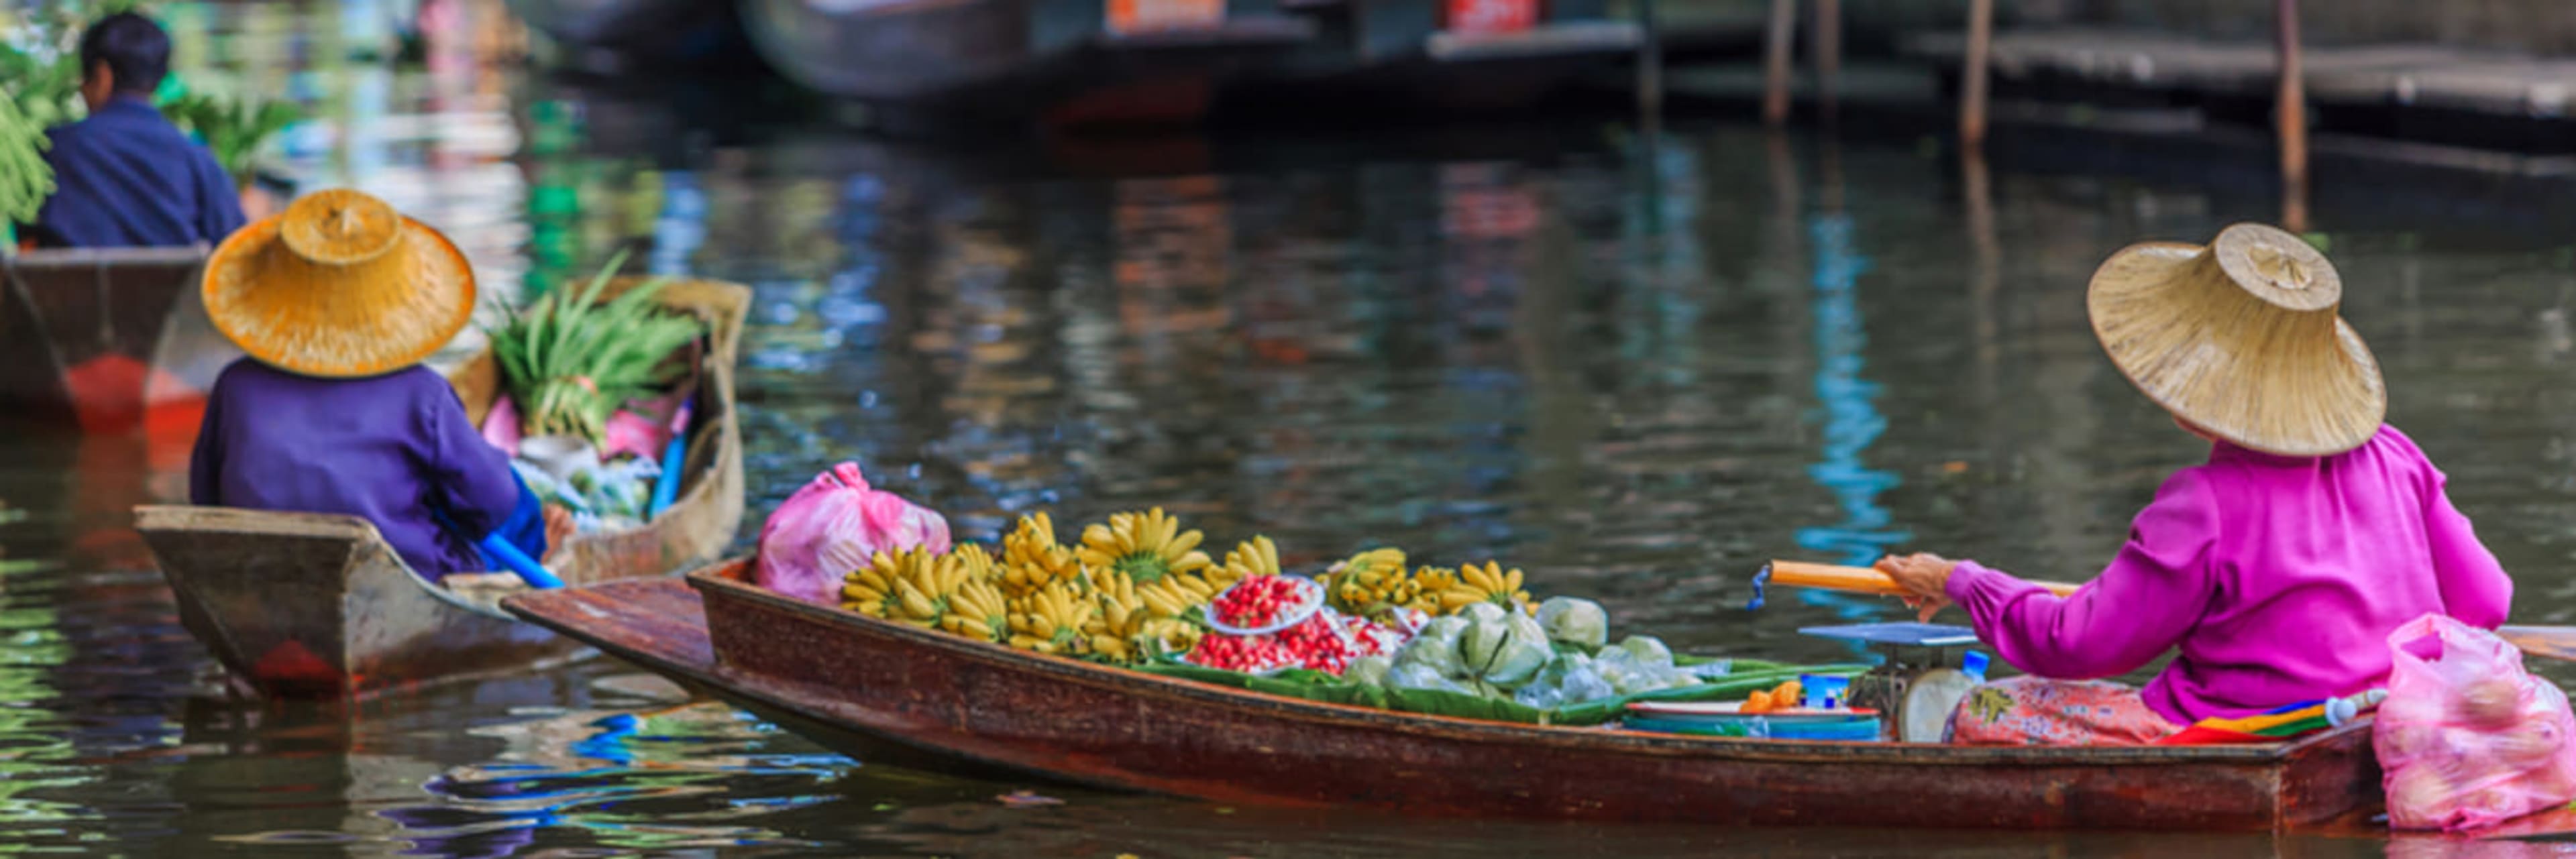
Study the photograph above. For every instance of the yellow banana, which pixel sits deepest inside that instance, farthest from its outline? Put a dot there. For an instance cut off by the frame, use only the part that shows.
(1146, 546)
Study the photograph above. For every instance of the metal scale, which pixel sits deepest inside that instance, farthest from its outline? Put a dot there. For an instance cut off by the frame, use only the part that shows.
(1927, 670)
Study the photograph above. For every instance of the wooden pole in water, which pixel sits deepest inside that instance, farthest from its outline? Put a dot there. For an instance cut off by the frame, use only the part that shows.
(2291, 111)
(1829, 55)
(1650, 63)
(1972, 74)
(1775, 61)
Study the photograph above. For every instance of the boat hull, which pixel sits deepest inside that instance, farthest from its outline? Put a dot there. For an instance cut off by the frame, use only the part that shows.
(302, 605)
(108, 341)
(866, 686)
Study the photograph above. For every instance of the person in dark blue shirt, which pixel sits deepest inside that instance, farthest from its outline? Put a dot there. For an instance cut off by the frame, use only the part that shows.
(126, 177)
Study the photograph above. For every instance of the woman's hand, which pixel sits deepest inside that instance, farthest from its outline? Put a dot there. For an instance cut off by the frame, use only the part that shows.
(559, 528)
(1925, 578)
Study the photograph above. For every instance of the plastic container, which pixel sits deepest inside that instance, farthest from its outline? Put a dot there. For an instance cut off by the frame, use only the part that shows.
(1857, 729)
(1311, 600)
(1824, 693)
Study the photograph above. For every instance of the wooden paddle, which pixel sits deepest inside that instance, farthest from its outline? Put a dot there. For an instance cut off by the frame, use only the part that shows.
(2553, 642)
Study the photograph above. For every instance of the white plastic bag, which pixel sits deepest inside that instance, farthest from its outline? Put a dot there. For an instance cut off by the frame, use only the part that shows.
(2466, 737)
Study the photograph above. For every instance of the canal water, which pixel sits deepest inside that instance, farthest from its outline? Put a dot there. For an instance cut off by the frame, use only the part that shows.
(1634, 364)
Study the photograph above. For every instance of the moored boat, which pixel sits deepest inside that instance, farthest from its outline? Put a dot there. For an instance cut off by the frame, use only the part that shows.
(108, 341)
(314, 606)
(999, 59)
(893, 693)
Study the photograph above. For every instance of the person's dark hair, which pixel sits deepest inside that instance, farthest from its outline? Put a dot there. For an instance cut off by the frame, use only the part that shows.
(133, 48)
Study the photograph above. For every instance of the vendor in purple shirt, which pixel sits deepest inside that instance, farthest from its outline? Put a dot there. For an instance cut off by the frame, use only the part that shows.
(124, 176)
(337, 301)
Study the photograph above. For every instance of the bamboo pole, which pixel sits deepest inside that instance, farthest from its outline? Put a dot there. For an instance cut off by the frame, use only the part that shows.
(1829, 55)
(2291, 117)
(1972, 74)
(1775, 61)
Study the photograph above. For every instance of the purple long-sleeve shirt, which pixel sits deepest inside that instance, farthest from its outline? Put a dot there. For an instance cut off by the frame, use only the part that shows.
(2277, 578)
(387, 448)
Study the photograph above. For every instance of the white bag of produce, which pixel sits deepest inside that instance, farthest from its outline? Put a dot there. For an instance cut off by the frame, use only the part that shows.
(1648, 650)
(1371, 670)
(1568, 680)
(1503, 648)
(1630, 674)
(1424, 677)
(1579, 622)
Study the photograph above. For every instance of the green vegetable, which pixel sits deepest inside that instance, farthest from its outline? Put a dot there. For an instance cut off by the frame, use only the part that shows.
(1435, 647)
(571, 360)
(1501, 647)
(233, 129)
(25, 179)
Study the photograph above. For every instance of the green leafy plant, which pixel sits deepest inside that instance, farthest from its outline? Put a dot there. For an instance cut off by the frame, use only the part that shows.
(234, 129)
(25, 179)
(570, 359)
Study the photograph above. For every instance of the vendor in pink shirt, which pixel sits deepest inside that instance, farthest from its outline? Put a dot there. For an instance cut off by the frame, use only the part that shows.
(2277, 569)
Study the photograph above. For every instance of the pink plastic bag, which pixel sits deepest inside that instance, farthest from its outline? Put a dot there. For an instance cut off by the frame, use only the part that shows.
(834, 525)
(2466, 737)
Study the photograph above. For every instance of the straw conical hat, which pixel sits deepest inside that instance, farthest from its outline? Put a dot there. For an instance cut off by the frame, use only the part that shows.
(339, 285)
(2240, 337)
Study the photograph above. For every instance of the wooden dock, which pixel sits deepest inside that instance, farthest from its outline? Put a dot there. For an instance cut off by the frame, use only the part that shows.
(2404, 91)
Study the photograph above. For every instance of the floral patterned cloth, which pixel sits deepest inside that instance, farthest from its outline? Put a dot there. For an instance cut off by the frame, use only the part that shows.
(2034, 711)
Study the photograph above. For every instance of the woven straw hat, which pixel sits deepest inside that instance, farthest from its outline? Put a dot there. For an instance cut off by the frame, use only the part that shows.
(2240, 337)
(339, 285)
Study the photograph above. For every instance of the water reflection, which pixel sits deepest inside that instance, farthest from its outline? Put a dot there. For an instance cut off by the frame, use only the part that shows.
(1633, 366)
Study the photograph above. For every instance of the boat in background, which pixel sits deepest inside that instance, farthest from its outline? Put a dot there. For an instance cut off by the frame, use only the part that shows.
(614, 37)
(108, 341)
(1070, 61)
(1446, 57)
(301, 605)
(886, 692)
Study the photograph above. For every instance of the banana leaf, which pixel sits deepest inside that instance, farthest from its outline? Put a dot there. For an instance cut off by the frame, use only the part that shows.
(1318, 686)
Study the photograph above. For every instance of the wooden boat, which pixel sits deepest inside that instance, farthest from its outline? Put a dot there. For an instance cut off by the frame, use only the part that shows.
(1008, 59)
(1407, 59)
(106, 340)
(892, 693)
(313, 606)
(626, 36)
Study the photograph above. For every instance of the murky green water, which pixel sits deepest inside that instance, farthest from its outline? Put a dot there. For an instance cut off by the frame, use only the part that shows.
(1634, 366)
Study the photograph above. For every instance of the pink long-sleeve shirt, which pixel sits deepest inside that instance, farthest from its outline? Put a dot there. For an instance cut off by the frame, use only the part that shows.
(2278, 579)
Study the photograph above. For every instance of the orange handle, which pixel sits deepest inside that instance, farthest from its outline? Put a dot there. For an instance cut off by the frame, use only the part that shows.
(1863, 580)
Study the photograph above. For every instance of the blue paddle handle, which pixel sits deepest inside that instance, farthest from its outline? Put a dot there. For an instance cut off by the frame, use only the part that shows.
(666, 488)
(519, 562)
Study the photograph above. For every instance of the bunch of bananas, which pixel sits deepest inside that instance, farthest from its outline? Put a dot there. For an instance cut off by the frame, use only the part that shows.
(1032, 560)
(1489, 583)
(913, 585)
(1255, 557)
(1372, 582)
(1127, 593)
(1146, 546)
(1052, 621)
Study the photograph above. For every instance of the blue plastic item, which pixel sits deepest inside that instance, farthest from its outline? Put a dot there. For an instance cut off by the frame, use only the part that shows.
(519, 562)
(1973, 664)
(1857, 728)
(1823, 693)
(666, 488)
(1906, 634)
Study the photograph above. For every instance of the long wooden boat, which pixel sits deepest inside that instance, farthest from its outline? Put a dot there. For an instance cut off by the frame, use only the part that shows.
(314, 606)
(892, 693)
(1000, 60)
(107, 341)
